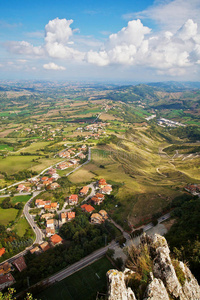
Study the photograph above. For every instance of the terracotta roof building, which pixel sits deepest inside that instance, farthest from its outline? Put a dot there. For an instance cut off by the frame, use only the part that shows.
(2, 251)
(45, 246)
(84, 191)
(5, 268)
(87, 208)
(56, 239)
(106, 189)
(35, 250)
(50, 223)
(98, 199)
(20, 187)
(49, 231)
(96, 219)
(6, 280)
(104, 214)
(20, 263)
(73, 199)
(102, 182)
(71, 215)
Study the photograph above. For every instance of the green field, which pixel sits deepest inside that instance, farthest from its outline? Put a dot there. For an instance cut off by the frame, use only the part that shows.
(5, 147)
(20, 198)
(13, 164)
(21, 226)
(82, 285)
(35, 147)
(7, 215)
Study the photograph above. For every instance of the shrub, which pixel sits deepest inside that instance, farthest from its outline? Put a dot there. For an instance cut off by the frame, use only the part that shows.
(179, 272)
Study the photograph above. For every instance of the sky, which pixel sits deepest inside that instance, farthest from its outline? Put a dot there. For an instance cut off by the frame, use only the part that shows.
(106, 41)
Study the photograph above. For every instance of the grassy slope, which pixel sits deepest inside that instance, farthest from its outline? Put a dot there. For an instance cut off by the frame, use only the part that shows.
(151, 178)
(21, 226)
(12, 164)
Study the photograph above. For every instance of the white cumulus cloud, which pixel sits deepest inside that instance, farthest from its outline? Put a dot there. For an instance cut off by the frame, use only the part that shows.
(56, 42)
(53, 66)
(137, 45)
(170, 14)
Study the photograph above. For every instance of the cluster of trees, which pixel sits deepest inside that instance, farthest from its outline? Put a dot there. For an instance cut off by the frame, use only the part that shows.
(19, 175)
(189, 132)
(12, 242)
(6, 203)
(81, 232)
(133, 93)
(183, 237)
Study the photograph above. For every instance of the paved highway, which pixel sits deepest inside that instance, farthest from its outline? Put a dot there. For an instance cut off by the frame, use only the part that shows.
(35, 228)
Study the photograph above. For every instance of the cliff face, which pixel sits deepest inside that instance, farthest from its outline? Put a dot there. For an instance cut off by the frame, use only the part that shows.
(168, 279)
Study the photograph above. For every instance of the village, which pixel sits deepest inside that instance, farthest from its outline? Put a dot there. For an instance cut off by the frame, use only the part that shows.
(48, 181)
(194, 189)
(50, 220)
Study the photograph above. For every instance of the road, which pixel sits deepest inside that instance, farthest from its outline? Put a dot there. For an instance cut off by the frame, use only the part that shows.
(19, 194)
(89, 159)
(80, 264)
(35, 228)
(125, 234)
(160, 220)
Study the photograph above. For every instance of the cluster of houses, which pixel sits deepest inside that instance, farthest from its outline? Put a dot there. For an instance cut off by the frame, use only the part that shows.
(96, 129)
(49, 181)
(99, 218)
(67, 164)
(96, 126)
(70, 154)
(6, 278)
(165, 122)
(39, 183)
(194, 189)
(54, 240)
(23, 188)
(47, 214)
(44, 131)
(97, 199)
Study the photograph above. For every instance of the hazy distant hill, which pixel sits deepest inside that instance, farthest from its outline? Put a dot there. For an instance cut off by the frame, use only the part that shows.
(175, 86)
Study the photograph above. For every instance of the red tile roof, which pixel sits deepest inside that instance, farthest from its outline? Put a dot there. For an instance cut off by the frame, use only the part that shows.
(102, 182)
(84, 190)
(88, 208)
(55, 239)
(45, 246)
(71, 215)
(2, 251)
(73, 197)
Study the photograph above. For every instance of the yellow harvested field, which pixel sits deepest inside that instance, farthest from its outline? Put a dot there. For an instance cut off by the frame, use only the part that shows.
(81, 175)
(6, 132)
(105, 117)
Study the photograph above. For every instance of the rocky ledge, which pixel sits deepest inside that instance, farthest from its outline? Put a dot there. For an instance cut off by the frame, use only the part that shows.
(167, 278)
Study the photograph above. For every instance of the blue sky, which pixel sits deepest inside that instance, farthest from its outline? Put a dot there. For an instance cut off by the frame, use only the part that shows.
(100, 40)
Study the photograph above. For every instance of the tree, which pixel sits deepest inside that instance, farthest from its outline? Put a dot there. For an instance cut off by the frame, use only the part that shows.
(9, 295)
(6, 203)
(110, 252)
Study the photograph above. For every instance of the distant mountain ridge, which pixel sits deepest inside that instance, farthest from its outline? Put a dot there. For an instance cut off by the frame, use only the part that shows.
(175, 86)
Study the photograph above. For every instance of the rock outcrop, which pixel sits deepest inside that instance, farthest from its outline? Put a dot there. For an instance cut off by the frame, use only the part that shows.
(168, 279)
